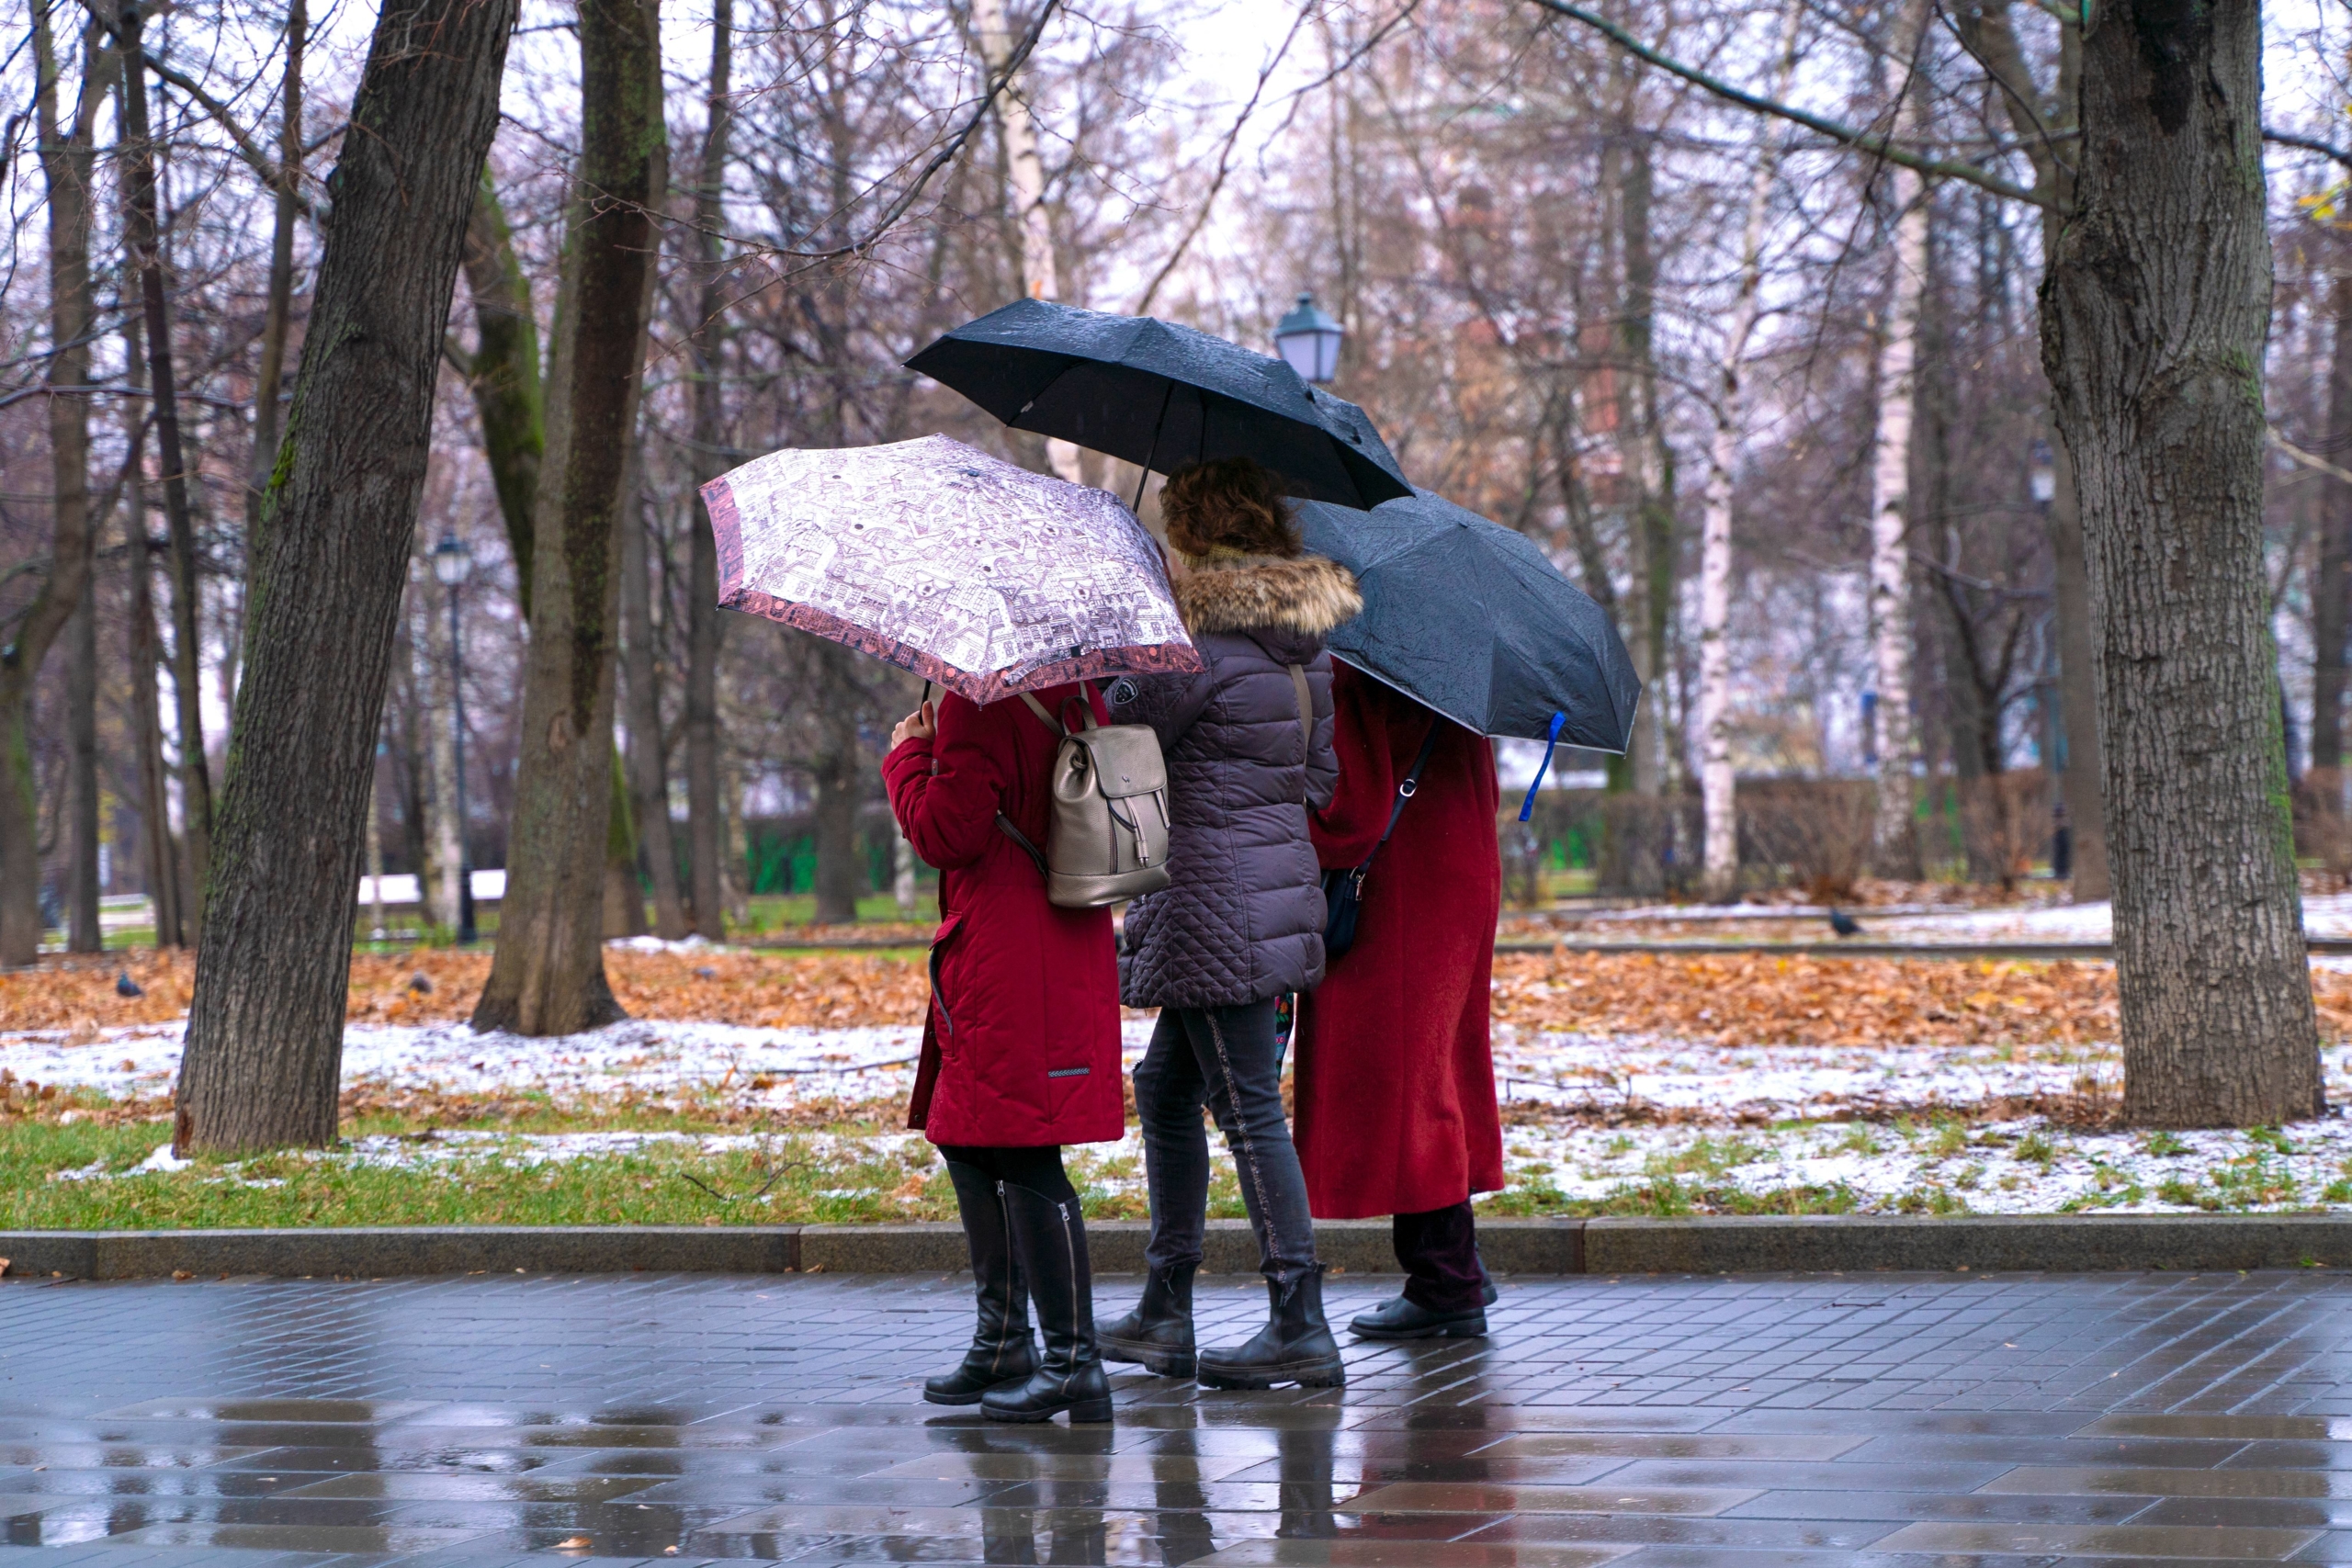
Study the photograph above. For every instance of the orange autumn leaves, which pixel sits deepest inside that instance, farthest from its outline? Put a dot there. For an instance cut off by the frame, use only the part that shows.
(1764, 1000)
(1745, 998)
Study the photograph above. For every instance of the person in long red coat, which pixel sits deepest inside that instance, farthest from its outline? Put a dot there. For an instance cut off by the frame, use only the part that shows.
(1021, 1047)
(1395, 1081)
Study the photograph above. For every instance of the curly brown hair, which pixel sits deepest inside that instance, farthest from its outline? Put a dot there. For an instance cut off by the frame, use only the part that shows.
(1229, 503)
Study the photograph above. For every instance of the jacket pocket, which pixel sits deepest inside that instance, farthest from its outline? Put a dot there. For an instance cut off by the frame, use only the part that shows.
(942, 1014)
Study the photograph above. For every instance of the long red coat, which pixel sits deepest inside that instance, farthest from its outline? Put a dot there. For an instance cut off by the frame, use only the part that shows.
(1021, 1045)
(1396, 1078)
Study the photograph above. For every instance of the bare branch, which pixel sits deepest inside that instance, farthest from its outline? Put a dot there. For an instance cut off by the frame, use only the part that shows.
(2308, 144)
(1873, 142)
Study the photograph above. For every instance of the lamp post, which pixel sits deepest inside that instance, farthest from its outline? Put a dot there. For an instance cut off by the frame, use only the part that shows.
(452, 560)
(1308, 341)
(2042, 484)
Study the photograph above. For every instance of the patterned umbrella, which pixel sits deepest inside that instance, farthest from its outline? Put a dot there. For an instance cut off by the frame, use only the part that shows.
(944, 561)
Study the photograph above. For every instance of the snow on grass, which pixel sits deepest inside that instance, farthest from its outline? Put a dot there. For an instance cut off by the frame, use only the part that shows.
(2325, 915)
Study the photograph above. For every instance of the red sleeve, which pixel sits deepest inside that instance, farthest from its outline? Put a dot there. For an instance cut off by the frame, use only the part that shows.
(946, 791)
(1346, 830)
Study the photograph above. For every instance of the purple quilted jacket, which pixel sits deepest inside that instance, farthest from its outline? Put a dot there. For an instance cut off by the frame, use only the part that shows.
(1242, 918)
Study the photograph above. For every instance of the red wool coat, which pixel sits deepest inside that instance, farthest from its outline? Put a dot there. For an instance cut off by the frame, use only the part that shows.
(1395, 1081)
(1021, 1047)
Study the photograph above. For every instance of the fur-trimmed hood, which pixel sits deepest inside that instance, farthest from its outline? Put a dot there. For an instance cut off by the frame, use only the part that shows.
(1306, 595)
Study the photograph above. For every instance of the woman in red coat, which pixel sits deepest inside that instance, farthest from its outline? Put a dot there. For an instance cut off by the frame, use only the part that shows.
(1021, 1049)
(1396, 1082)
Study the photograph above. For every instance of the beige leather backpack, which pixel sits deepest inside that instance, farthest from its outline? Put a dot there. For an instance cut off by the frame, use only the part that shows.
(1107, 839)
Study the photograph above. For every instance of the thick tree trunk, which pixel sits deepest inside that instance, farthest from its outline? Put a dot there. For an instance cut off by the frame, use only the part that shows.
(2155, 310)
(265, 1037)
(1718, 784)
(649, 773)
(549, 975)
(2332, 583)
(279, 312)
(1893, 842)
(143, 241)
(65, 157)
(705, 814)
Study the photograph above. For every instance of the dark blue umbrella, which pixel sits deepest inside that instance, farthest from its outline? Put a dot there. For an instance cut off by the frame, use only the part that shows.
(1468, 617)
(1161, 395)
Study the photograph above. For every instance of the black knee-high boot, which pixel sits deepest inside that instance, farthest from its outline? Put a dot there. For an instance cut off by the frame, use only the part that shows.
(1003, 1354)
(1050, 1240)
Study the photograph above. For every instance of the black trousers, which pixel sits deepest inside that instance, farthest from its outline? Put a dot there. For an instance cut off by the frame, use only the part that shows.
(1039, 1168)
(1438, 1248)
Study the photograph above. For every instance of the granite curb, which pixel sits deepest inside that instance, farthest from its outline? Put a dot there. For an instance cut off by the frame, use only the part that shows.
(1744, 1245)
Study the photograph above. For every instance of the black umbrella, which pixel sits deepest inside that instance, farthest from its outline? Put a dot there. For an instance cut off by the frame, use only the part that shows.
(1468, 617)
(1159, 395)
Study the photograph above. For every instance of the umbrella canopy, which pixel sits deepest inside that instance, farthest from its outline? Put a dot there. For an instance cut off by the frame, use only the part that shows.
(1467, 616)
(944, 561)
(1159, 395)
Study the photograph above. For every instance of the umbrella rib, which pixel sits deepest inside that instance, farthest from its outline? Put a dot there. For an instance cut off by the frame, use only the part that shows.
(1144, 477)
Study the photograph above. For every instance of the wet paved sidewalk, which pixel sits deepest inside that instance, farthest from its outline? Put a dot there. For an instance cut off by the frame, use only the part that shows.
(1877, 1420)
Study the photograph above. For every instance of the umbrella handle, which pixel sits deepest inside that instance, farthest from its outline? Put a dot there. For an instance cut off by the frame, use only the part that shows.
(1526, 806)
(1144, 477)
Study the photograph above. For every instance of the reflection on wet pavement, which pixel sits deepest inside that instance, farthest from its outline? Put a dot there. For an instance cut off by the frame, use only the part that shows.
(1890, 1422)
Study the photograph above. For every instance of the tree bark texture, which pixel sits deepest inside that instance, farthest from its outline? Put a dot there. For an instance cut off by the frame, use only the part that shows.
(277, 315)
(327, 572)
(2332, 584)
(2154, 311)
(2083, 782)
(549, 975)
(1718, 782)
(1893, 842)
(648, 773)
(143, 240)
(505, 376)
(66, 162)
(1647, 465)
(162, 867)
(706, 812)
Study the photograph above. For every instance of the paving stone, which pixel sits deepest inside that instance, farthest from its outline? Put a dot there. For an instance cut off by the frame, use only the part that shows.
(1867, 1421)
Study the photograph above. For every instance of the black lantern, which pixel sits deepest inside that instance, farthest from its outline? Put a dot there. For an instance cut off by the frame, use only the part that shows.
(1308, 341)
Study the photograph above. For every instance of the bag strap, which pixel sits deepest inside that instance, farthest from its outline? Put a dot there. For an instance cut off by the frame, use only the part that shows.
(1306, 709)
(1405, 792)
(1035, 854)
(1038, 708)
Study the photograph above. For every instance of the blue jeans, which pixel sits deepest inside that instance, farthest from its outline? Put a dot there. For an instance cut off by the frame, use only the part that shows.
(1222, 1059)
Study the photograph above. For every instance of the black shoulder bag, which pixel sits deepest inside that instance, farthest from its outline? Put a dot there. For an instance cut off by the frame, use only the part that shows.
(1343, 889)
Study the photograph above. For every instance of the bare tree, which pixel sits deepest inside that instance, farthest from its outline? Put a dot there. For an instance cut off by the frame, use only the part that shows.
(2155, 310)
(549, 975)
(66, 157)
(264, 1039)
(706, 815)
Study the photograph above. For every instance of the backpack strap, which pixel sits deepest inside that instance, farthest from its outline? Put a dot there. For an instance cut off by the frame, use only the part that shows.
(1056, 726)
(1305, 695)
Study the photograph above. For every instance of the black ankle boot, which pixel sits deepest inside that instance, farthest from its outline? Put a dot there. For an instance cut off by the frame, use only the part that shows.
(1159, 1333)
(1003, 1354)
(1049, 1238)
(1295, 1346)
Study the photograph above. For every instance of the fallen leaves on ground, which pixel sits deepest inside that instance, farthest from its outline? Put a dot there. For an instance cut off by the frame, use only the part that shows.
(1754, 999)
(1730, 998)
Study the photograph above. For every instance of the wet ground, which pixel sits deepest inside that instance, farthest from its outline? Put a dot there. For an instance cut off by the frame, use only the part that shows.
(1880, 1421)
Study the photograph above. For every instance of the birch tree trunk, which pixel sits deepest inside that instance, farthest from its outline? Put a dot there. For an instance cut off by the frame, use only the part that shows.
(143, 241)
(66, 161)
(327, 574)
(549, 975)
(1718, 784)
(705, 811)
(2155, 310)
(1894, 842)
(1025, 174)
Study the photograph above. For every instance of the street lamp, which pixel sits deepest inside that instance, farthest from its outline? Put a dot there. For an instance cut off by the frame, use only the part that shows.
(1308, 340)
(452, 560)
(2042, 476)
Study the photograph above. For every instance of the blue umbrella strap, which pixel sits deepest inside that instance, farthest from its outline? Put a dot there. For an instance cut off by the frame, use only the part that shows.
(1526, 806)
